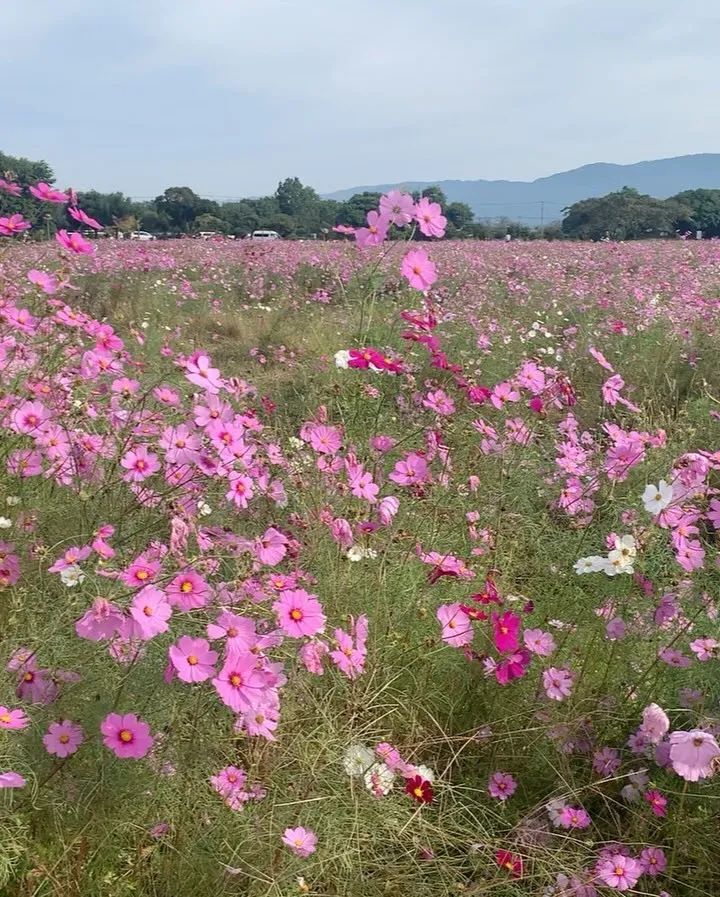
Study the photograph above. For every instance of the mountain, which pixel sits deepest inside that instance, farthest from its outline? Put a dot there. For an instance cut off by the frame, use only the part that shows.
(544, 198)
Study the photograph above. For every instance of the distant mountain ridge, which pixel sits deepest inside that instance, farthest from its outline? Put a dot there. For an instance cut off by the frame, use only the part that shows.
(544, 198)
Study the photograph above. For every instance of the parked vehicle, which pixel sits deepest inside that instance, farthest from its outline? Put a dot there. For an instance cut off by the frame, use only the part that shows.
(142, 235)
(265, 235)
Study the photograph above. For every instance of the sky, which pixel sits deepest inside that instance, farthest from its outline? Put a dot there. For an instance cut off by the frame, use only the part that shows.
(231, 96)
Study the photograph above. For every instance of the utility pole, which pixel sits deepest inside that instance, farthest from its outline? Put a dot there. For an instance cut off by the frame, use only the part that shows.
(542, 219)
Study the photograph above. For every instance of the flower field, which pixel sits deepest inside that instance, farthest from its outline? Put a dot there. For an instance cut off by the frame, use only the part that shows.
(359, 568)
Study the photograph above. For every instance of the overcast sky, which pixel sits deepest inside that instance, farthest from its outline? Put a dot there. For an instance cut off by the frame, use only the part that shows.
(230, 96)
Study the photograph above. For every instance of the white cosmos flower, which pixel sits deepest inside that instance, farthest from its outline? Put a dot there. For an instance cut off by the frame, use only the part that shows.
(357, 760)
(296, 443)
(5, 523)
(626, 545)
(618, 562)
(12, 500)
(425, 773)
(379, 779)
(72, 575)
(341, 359)
(657, 498)
(592, 564)
(204, 509)
(358, 553)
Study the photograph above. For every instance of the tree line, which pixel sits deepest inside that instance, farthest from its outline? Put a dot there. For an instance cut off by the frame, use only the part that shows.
(298, 211)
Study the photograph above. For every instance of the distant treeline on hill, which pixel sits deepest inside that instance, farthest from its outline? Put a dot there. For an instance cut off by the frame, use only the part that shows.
(297, 211)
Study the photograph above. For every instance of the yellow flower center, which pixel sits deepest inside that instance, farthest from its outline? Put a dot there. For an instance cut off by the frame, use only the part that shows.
(296, 614)
(142, 574)
(418, 792)
(192, 660)
(5, 718)
(63, 739)
(186, 586)
(236, 680)
(126, 736)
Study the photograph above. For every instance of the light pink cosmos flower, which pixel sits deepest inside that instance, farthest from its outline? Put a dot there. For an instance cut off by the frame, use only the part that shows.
(71, 557)
(456, 627)
(501, 785)
(46, 193)
(398, 207)
(127, 736)
(100, 622)
(228, 780)
(387, 509)
(188, 591)
(692, 754)
(299, 613)
(47, 282)
(311, 655)
(439, 402)
(375, 232)
(325, 440)
(430, 218)
(202, 374)
(239, 631)
(558, 683)
(574, 817)
(14, 224)
(241, 489)
(10, 188)
(150, 612)
(362, 486)
(139, 464)
(11, 780)
(192, 659)
(271, 548)
(63, 739)
(619, 872)
(704, 648)
(74, 242)
(539, 642)
(502, 393)
(410, 471)
(13, 719)
(653, 860)
(655, 724)
(418, 270)
(301, 841)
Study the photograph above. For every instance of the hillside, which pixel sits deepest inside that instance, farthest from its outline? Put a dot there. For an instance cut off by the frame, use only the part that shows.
(546, 197)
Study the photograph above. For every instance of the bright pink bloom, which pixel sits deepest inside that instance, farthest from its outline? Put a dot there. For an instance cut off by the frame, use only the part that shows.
(375, 232)
(456, 627)
(439, 402)
(514, 666)
(139, 464)
(558, 683)
(84, 218)
(397, 207)
(74, 242)
(150, 612)
(299, 613)
(574, 817)
(502, 393)
(505, 632)
(13, 719)
(126, 736)
(63, 739)
(301, 841)
(325, 440)
(229, 780)
(501, 785)
(657, 801)
(47, 193)
(14, 224)
(48, 282)
(140, 573)
(418, 270)
(71, 557)
(619, 872)
(241, 489)
(410, 471)
(193, 659)
(430, 218)
(240, 683)
(188, 590)
(704, 648)
(692, 754)
(11, 780)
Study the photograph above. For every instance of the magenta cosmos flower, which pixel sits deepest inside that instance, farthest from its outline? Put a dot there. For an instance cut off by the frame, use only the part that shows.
(74, 242)
(192, 658)
(501, 785)
(240, 683)
(418, 270)
(299, 613)
(505, 632)
(14, 224)
(150, 612)
(300, 840)
(139, 464)
(619, 872)
(126, 736)
(188, 590)
(63, 739)
(13, 719)
(430, 218)
(692, 754)
(11, 780)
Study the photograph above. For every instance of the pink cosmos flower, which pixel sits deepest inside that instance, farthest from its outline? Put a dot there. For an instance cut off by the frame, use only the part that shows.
(187, 591)
(657, 801)
(126, 736)
(397, 207)
(439, 402)
(299, 613)
(83, 218)
(241, 489)
(418, 270)
(502, 393)
(14, 224)
(410, 471)
(558, 683)
(501, 785)
(240, 683)
(539, 642)
(704, 648)
(100, 622)
(10, 188)
(692, 754)
(655, 724)
(193, 659)
(619, 872)
(574, 817)
(13, 719)
(430, 218)
(653, 861)
(514, 666)
(456, 627)
(139, 464)
(74, 242)
(71, 557)
(150, 612)
(301, 841)
(311, 655)
(47, 282)
(11, 780)
(325, 440)
(63, 739)
(271, 548)
(46, 193)
(375, 232)
(362, 486)
(229, 780)
(387, 509)
(141, 572)
(505, 632)
(202, 374)
(239, 631)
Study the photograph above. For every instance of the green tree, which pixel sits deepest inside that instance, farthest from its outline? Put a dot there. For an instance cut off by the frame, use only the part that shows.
(624, 215)
(25, 172)
(460, 216)
(182, 206)
(354, 210)
(705, 207)
(240, 217)
(434, 194)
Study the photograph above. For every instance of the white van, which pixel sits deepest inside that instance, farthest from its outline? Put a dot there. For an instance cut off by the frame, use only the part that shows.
(142, 235)
(265, 235)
